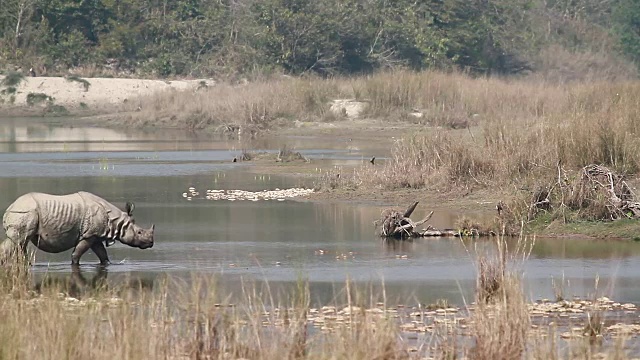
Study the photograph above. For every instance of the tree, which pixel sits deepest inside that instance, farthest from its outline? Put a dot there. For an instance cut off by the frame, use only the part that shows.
(13, 19)
(626, 25)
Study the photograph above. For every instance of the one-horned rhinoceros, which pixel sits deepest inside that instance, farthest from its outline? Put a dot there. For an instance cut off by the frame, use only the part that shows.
(82, 221)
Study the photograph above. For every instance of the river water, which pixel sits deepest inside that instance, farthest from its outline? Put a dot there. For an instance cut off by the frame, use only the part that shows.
(275, 242)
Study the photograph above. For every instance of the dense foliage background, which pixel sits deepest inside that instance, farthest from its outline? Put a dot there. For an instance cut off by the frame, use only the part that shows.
(326, 37)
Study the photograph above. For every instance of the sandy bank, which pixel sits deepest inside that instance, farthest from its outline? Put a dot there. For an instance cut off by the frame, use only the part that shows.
(101, 92)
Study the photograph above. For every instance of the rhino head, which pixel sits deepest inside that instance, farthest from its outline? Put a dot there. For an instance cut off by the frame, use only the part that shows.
(134, 235)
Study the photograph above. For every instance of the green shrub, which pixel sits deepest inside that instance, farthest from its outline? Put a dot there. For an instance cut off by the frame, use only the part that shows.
(56, 110)
(12, 79)
(85, 84)
(37, 98)
(8, 91)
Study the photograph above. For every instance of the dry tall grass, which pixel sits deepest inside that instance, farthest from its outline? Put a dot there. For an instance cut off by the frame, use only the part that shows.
(508, 129)
(184, 319)
(500, 319)
(517, 131)
(525, 129)
(255, 106)
(195, 319)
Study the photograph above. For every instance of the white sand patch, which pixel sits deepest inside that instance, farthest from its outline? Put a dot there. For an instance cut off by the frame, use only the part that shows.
(102, 91)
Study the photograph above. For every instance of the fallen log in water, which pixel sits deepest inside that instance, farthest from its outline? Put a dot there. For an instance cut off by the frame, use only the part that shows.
(398, 225)
(454, 233)
(440, 233)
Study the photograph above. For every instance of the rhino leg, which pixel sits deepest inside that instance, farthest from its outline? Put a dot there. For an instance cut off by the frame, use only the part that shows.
(99, 249)
(7, 250)
(80, 249)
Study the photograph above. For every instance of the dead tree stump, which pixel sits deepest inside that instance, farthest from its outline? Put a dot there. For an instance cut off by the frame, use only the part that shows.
(396, 224)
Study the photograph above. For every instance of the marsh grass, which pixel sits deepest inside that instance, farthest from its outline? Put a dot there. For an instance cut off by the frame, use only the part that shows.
(515, 130)
(500, 329)
(254, 107)
(285, 154)
(15, 275)
(559, 289)
(195, 318)
(500, 317)
(186, 319)
(479, 132)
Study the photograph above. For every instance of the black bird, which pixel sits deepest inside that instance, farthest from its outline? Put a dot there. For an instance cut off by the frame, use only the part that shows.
(235, 159)
(32, 72)
(373, 160)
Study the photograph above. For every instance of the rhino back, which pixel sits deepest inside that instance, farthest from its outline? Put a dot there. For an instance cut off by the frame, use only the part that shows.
(90, 198)
(60, 216)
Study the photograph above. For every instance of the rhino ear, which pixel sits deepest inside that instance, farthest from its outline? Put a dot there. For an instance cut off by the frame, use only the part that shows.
(129, 208)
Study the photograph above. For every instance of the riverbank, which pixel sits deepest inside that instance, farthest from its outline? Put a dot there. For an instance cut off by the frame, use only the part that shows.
(82, 96)
(442, 138)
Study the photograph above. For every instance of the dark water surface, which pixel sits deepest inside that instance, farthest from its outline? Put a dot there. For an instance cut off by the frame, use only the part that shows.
(278, 242)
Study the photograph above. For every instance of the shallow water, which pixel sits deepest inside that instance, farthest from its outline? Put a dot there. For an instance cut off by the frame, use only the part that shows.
(279, 242)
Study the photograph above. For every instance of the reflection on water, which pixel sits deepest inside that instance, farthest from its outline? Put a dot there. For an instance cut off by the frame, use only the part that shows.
(84, 282)
(279, 243)
(21, 135)
(35, 135)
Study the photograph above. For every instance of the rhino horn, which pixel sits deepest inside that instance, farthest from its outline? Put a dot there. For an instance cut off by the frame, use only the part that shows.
(153, 226)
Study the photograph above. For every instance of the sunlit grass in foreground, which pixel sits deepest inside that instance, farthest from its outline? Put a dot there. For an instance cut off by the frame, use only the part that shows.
(195, 319)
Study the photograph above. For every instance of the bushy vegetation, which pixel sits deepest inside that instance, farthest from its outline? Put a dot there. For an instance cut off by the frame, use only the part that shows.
(38, 98)
(12, 79)
(229, 38)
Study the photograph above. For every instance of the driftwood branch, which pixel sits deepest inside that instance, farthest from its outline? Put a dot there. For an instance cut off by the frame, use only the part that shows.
(597, 193)
(410, 225)
(410, 210)
(425, 219)
(397, 224)
(602, 194)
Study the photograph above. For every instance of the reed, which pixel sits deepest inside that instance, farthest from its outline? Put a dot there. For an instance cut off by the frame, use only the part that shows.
(185, 319)
(195, 318)
(501, 317)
